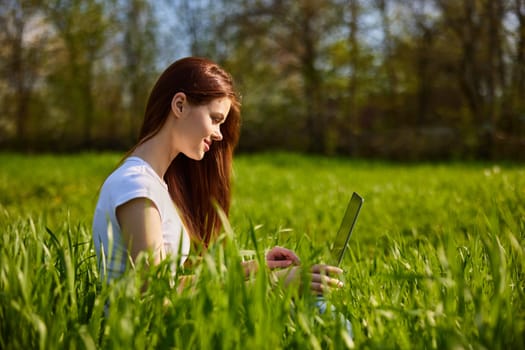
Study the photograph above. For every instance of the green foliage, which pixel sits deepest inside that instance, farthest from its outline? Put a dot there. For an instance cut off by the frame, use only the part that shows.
(436, 260)
(396, 79)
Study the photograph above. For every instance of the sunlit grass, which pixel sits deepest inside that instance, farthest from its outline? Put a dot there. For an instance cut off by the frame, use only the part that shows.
(436, 260)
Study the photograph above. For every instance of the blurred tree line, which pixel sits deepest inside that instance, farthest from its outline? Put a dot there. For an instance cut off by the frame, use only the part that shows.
(418, 79)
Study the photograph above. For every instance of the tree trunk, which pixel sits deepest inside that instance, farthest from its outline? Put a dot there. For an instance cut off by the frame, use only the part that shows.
(312, 83)
(382, 6)
(351, 112)
(518, 84)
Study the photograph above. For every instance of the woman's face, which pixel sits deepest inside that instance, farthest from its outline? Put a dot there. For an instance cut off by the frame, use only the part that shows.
(198, 126)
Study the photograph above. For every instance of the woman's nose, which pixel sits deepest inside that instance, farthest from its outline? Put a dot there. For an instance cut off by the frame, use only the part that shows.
(217, 135)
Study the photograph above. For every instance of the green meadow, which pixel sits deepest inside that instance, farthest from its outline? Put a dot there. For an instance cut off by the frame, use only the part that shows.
(436, 260)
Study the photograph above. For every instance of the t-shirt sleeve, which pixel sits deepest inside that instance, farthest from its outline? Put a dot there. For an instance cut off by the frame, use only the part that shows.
(132, 186)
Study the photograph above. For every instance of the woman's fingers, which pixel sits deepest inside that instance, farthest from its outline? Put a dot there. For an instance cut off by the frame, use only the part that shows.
(323, 278)
(317, 288)
(326, 280)
(326, 269)
(322, 288)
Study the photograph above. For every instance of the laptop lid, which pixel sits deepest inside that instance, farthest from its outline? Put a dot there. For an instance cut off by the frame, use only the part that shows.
(345, 230)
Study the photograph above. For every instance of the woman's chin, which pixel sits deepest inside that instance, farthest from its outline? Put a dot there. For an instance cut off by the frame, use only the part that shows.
(196, 156)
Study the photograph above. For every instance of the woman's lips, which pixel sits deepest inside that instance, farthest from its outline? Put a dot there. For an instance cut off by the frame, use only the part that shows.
(207, 145)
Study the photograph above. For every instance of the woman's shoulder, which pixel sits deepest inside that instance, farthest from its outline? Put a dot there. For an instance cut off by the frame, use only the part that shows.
(133, 173)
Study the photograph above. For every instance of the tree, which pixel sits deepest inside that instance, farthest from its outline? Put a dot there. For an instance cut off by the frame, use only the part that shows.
(478, 26)
(383, 7)
(353, 50)
(197, 34)
(138, 50)
(82, 27)
(291, 38)
(517, 69)
(425, 36)
(23, 40)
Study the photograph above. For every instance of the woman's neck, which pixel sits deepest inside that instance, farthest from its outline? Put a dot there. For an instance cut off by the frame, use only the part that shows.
(155, 152)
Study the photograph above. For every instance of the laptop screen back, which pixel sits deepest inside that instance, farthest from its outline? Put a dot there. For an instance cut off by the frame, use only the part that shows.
(345, 230)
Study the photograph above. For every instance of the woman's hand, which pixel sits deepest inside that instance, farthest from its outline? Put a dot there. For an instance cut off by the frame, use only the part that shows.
(323, 278)
(279, 257)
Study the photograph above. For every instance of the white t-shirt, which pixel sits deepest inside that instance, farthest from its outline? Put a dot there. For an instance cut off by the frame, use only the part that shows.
(134, 179)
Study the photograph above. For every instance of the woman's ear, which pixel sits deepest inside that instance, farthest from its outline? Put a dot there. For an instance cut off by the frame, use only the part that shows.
(177, 103)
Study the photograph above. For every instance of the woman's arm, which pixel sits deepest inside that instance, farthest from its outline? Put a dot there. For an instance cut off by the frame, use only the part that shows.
(140, 224)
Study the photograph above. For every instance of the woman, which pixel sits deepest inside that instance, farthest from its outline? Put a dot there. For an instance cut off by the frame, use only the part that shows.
(161, 198)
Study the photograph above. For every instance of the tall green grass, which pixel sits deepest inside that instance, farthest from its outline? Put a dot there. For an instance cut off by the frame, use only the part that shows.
(436, 260)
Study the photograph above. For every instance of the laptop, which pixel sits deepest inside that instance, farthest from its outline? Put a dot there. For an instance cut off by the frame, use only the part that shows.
(345, 230)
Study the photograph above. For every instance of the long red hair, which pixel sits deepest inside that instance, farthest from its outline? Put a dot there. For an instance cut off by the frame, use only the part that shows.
(195, 186)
